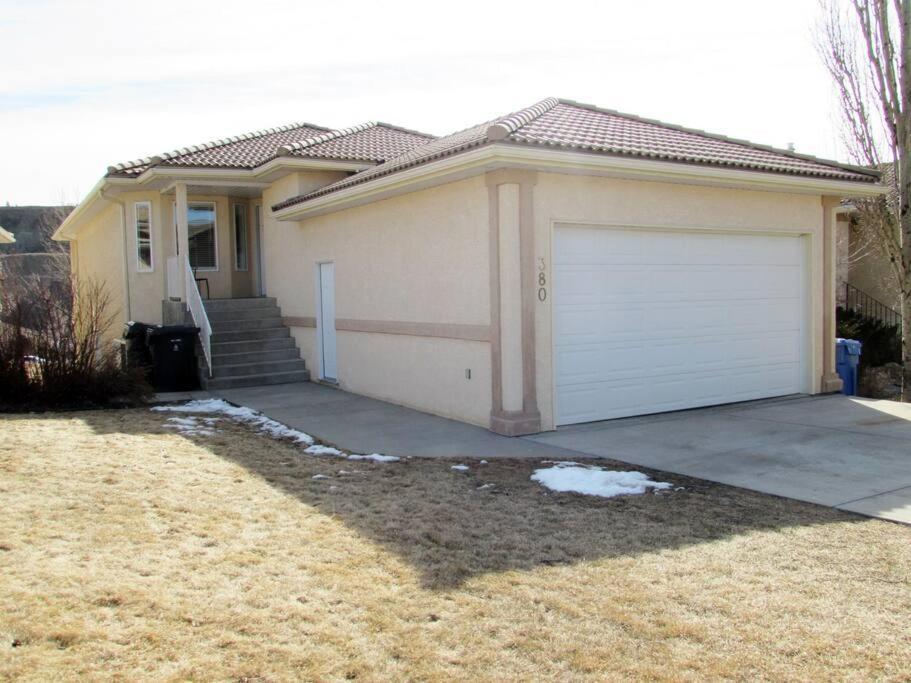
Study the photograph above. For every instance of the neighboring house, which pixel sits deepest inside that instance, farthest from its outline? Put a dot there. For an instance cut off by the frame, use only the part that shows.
(866, 281)
(561, 264)
(6, 237)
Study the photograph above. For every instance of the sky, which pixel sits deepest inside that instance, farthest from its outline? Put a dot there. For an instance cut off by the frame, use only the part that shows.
(88, 83)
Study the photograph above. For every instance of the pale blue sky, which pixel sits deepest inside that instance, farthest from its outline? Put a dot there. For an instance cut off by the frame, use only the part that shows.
(88, 83)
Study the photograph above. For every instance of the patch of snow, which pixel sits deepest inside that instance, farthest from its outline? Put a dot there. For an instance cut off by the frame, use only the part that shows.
(258, 421)
(189, 426)
(375, 457)
(319, 449)
(483, 462)
(594, 481)
(319, 476)
(248, 416)
(561, 463)
(459, 468)
(484, 487)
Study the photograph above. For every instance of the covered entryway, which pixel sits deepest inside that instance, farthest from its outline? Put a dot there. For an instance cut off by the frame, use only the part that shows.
(649, 320)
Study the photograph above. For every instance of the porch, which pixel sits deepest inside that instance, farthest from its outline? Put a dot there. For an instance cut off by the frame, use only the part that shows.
(215, 280)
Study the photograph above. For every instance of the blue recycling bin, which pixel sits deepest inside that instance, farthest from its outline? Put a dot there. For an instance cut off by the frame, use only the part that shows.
(847, 356)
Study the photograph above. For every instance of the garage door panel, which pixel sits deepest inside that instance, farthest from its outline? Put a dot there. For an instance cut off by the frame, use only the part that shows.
(647, 321)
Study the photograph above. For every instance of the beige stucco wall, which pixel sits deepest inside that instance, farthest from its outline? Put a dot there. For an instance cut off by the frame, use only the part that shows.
(98, 257)
(868, 269)
(420, 258)
(101, 243)
(571, 198)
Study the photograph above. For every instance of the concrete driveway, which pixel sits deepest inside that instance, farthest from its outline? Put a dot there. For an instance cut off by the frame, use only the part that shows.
(853, 454)
(848, 453)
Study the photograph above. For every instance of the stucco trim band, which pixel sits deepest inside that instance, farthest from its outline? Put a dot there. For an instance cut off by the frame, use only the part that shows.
(480, 333)
(299, 321)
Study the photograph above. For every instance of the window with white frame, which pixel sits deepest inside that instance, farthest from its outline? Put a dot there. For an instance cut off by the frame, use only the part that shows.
(142, 215)
(241, 261)
(202, 235)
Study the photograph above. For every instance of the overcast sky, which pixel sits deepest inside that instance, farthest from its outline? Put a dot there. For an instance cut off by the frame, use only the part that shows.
(88, 83)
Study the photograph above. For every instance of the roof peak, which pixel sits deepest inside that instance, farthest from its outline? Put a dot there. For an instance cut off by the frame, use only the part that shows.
(509, 124)
(158, 158)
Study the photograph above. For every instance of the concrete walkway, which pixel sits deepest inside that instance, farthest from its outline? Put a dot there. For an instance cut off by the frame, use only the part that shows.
(852, 454)
(365, 425)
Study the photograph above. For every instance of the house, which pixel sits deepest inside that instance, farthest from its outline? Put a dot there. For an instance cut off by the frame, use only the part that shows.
(560, 264)
(866, 281)
(6, 237)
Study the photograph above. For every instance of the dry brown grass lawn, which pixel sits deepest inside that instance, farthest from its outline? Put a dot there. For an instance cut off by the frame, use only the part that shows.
(129, 552)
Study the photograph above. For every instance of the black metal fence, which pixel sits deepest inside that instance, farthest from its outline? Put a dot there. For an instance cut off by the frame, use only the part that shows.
(860, 302)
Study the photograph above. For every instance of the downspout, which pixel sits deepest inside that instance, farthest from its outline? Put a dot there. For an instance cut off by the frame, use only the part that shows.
(126, 258)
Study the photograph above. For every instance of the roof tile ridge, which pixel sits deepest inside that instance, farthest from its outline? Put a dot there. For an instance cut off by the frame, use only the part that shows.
(288, 149)
(402, 129)
(507, 125)
(158, 158)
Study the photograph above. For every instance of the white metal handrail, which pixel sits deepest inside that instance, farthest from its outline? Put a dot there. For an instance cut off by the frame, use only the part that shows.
(198, 312)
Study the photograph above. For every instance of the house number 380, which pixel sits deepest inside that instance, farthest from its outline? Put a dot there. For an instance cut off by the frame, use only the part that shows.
(542, 281)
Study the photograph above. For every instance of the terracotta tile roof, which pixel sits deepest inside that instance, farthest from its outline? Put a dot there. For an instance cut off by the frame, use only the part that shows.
(371, 141)
(242, 151)
(563, 124)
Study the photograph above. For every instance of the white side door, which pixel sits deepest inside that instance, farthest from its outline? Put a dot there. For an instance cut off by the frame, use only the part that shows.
(326, 322)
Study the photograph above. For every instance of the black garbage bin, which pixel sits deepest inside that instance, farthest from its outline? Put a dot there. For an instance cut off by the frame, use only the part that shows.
(173, 349)
(136, 349)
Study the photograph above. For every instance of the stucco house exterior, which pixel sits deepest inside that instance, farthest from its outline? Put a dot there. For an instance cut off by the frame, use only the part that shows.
(560, 264)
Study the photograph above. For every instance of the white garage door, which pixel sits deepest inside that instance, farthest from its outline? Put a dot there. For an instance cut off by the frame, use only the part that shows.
(648, 321)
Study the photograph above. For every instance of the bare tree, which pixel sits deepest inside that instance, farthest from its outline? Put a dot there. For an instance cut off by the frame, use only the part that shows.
(866, 47)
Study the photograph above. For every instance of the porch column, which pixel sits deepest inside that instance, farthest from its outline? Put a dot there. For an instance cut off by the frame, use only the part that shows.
(830, 379)
(183, 239)
(514, 408)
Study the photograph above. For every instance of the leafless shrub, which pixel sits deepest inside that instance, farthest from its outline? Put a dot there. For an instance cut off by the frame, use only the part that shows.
(53, 351)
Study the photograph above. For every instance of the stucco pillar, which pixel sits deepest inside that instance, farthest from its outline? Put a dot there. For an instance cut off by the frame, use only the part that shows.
(830, 379)
(514, 397)
(183, 238)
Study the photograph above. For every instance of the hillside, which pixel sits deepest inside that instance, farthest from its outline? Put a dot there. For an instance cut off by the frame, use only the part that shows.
(33, 227)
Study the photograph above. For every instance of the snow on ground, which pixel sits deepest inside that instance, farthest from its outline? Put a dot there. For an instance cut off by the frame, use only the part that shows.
(241, 414)
(319, 449)
(594, 481)
(375, 457)
(190, 426)
(459, 468)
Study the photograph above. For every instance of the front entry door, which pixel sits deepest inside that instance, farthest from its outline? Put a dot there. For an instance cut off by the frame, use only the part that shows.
(329, 369)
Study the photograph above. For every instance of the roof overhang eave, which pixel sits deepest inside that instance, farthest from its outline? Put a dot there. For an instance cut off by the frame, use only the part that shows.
(168, 175)
(499, 155)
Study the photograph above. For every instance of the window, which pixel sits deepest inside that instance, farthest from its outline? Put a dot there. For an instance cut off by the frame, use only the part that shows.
(201, 235)
(142, 214)
(240, 237)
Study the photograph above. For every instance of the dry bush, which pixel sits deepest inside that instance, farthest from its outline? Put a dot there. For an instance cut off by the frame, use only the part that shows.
(52, 348)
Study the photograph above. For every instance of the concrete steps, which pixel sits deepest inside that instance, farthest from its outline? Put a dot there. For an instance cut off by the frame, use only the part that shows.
(250, 345)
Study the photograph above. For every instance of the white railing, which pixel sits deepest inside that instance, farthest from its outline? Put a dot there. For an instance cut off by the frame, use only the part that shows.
(198, 311)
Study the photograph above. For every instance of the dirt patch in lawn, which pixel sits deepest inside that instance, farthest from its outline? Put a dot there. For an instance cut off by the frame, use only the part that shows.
(128, 551)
